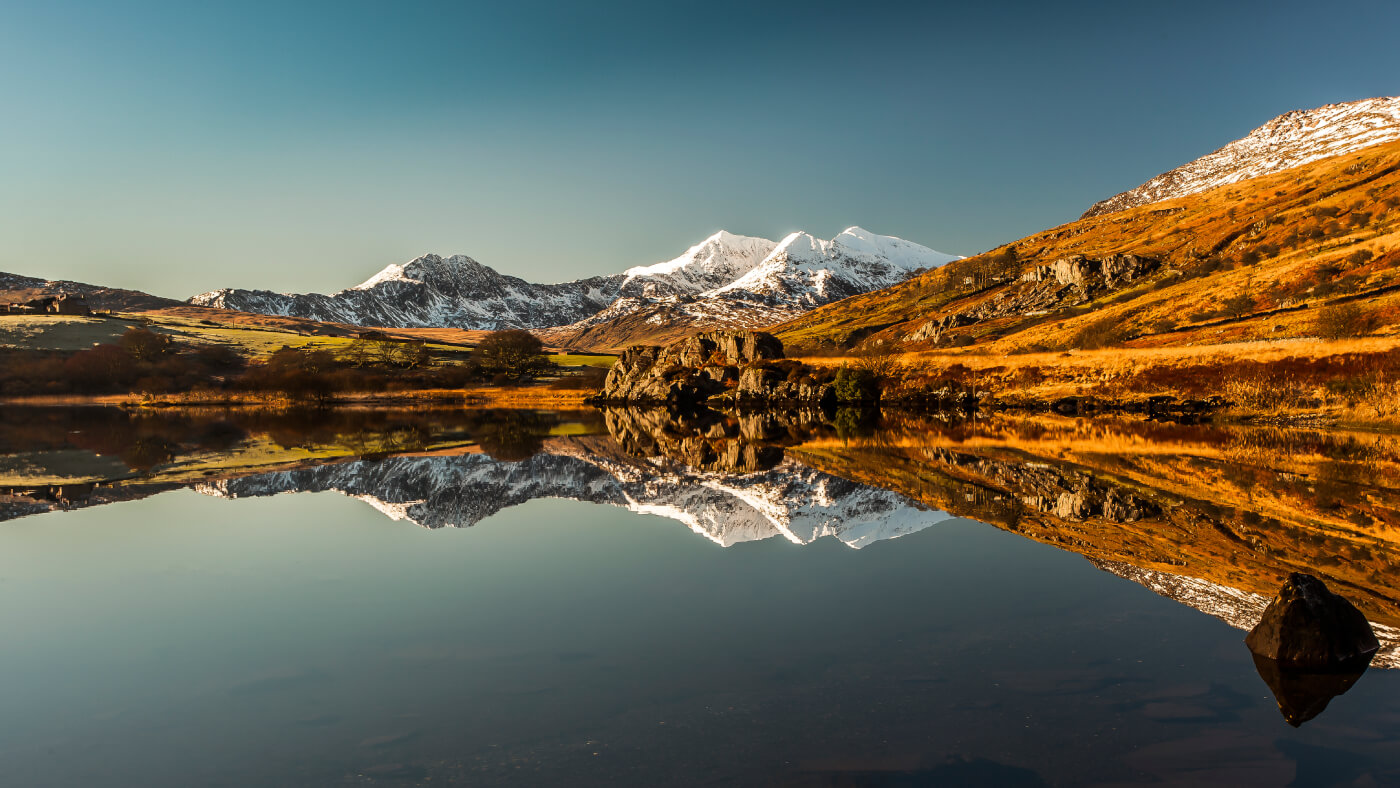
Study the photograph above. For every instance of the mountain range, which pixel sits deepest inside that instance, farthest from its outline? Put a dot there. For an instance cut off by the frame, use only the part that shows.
(725, 280)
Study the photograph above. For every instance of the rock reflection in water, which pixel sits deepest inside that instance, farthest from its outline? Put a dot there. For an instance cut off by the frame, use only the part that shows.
(1301, 694)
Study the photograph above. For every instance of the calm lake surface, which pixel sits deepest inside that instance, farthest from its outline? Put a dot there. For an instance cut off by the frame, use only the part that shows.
(573, 599)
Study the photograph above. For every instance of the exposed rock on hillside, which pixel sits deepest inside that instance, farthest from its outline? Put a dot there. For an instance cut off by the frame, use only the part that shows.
(1065, 282)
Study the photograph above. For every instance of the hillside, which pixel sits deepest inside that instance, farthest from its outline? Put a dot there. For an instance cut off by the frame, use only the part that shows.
(1290, 140)
(1257, 260)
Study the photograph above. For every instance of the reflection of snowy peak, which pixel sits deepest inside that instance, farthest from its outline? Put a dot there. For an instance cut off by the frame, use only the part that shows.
(791, 501)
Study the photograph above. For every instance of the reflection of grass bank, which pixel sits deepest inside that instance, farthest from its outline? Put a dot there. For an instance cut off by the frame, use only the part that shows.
(65, 446)
(1236, 505)
(538, 396)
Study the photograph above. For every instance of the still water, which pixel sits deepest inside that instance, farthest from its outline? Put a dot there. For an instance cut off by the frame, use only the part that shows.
(606, 603)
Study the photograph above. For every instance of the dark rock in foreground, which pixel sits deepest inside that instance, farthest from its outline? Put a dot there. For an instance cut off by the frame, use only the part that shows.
(1307, 627)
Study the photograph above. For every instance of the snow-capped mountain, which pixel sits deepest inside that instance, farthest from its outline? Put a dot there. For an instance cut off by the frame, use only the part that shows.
(430, 290)
(789, 501)
(724, 280)
(806, 271)
(712, 263)
(797, 274)
(1290, 140)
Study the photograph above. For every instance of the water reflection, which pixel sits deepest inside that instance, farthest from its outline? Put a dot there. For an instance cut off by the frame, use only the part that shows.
(1211, 516)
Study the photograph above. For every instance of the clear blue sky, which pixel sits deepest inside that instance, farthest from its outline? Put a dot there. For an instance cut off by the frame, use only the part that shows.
(178, 147)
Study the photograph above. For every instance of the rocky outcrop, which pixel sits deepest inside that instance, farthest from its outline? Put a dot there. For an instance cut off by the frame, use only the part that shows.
(692, 370)
(770, 383)
(1307, 627)
(1093, 274)
(1066, 282)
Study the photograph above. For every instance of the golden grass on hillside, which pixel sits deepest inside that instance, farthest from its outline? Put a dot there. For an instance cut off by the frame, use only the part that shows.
(1300, 238)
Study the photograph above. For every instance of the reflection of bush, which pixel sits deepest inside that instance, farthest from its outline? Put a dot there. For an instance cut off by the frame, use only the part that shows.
(512, 437)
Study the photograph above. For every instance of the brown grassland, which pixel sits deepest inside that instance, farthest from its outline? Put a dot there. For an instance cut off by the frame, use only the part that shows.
(1279, 293)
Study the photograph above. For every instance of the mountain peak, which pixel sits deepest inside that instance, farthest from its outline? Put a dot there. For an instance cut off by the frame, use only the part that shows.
(1290, 140)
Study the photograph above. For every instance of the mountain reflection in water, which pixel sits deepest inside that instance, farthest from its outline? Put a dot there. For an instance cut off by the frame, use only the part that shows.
(1212, 516)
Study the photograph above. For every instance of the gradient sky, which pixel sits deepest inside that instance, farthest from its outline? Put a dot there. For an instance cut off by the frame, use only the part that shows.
(180, 147)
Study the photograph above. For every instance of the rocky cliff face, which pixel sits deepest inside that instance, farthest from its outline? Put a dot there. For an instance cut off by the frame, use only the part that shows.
(1290, 140)
(1068, 281)
(688, 371)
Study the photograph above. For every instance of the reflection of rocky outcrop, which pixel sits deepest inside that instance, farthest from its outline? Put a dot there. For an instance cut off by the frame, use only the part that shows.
(704, 440)
(787, 500)
(708, 440)
(1068, 494)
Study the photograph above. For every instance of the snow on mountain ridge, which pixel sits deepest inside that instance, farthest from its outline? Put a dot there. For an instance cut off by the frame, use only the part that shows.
(720, 258)
(807, 271)
(458, 291)
(1289, 140)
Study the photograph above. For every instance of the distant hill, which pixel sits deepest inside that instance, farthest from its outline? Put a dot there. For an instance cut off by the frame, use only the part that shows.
(15, 288)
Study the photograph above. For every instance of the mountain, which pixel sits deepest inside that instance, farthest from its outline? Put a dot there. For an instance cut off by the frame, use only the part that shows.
(1257, 260)
(1290, 140)
(432, 291)
(15, 288)
(714, 262)
(724, 280)
(789, 501)
(797, 274)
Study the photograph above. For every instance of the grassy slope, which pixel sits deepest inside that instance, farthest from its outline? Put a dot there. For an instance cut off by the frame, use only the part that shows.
(1190, 235)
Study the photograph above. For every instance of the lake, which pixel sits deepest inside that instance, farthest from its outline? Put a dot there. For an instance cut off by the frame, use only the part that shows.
(504, 598)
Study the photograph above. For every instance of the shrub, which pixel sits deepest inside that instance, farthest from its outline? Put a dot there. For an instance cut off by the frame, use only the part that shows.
(515, 351)
(144, 344)
(1238, 306)
(1105, 332)
(1340, 321)
(855, 385)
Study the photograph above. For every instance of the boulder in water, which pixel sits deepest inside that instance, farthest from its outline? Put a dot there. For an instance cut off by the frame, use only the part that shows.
(1307, 627)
